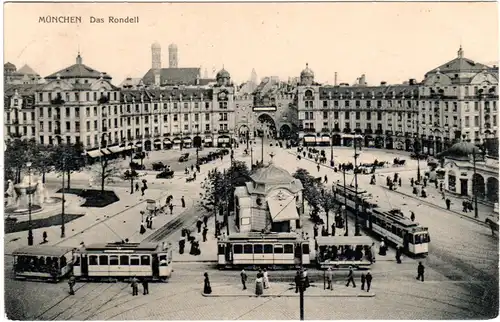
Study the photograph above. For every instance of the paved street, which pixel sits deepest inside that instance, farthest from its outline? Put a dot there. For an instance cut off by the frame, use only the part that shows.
(461, 274)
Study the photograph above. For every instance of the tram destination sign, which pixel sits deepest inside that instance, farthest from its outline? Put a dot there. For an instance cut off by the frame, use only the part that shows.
(264, 108)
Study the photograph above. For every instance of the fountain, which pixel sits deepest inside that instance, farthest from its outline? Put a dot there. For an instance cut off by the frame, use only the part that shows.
(18, 196)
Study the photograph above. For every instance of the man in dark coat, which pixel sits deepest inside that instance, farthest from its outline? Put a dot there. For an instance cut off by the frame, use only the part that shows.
(171, 207)
(182, 244)
(363, 279)
(198, 225)
(420, 271)
(398, 254)
(204, 233)
(297, 281)
(135, 288)
(448, 203)
(183, 202)
(244, 278)
(205, 221)
(71, 283)
(412, 216)
(145, 287)
(368, 281)
(350, 277)
(412, 182)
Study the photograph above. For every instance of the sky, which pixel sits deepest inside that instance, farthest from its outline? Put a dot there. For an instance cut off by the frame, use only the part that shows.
(390, 42)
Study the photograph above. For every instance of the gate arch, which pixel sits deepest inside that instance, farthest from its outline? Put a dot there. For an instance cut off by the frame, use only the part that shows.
(492, 188)
(478, 185)
(285, 131)
(269, 124)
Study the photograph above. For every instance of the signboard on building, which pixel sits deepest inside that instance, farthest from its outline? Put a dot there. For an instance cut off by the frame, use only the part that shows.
(264, 108)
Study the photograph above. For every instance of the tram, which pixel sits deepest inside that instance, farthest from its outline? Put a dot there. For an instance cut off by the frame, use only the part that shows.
(256, 249)
(388, 223)
(151, 261)
(42, 262)
(344, 251)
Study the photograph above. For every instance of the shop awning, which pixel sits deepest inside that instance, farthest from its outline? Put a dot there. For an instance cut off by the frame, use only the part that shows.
(309, 138)
(325, 139)
(116, 149)
(177, 141)
(138, 145)
(282, 210)
(94, 153)
(350, 136)
(167, 141)
(223, 140)
(106, 152)
(187, 140)
(208, 139)
(157, 141)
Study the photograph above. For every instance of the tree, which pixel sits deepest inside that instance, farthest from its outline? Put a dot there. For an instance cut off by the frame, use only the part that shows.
(106, 171)
(311, 192)
(18, 152)
(44, 159)
(68, 158)
(328, 203)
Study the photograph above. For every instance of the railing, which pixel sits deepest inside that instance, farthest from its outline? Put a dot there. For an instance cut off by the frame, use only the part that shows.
(207, 132)
(223, 131)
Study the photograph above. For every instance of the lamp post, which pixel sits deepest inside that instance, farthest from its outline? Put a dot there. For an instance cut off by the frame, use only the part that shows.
(262, 144)
(345, 204)
(302, 288)
(356, 228)
(417, 147)
(30, 227)
(251, 158)
(62, 206)
(131, 170)
(474, 182)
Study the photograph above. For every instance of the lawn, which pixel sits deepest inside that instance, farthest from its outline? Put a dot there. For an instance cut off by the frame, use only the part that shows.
(94, 198)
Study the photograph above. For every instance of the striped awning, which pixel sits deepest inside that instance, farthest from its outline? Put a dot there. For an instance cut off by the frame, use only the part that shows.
(309, 138)
(106, 152)
(325, 139)
(187, 140)
(208, 139)
(223, 140)
(177, 141)
(167, 141)
(94, 153)
(138, 145)
(157, 141)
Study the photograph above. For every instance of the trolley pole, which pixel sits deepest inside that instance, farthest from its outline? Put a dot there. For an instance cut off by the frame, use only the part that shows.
(63, 200)
(474, 183)
(262, 148)
(345, 205)
(131, 176)
(30, 227)
(331, 148)
(356, 228)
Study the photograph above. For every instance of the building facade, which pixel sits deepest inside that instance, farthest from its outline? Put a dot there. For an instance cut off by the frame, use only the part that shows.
(456, 100)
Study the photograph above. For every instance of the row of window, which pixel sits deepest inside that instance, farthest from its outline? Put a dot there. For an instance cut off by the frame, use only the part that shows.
(347, 125)
(347, 115)
(132, 260)
(367, 104)
(264, 249)
(75, 97)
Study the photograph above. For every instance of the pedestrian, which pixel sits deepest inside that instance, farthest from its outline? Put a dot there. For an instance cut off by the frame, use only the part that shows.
(420, 271)
(350, 278)
(151, 222)
(382, 249)
(182, 244)
(265, 278)
(204, 233)
(326, 178)
(363, 279)
(448, 203)
(318, 167)
(399, 182)
(297, 280)
(145, 287)
(207, 289)
(315, 230)
(372, 253)
(136, 186)
(183, 202)
(71, 284)
(244, 278)
(194, 175)
(142, 191)
(171, 207)
(259, 290)
(425, 181)
(135, 288)
(198, 225)
(205, 220)
(142, 230)
(333, 229)
(441, 186)
(464, 206)
(329, 278)
(192, 167)
(412, 215)
(368, 281)
(443, 196)
(398, 254)
(44, 236)
(436, 183)
(306, 278)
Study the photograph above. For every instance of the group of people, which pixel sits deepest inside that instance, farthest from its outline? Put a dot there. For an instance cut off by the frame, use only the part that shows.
(365, 278)
(135, 286)
(143, 188)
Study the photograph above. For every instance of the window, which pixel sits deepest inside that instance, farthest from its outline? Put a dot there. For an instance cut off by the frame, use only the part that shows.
(186, 127)
(325, 103)
(358, 115)
(207, 127)
(288, 249)
(278, 249)
(41, 126)
(476, 120)
(124, 260)
(336, 103)
(238, 249)
(134, 260)
(336, 115)
(358, 104)
(305, 249)
(258, 249)
(379, 104)
(325, 115)
(93, 260)
(221, 250)
(196, 117)
(379, 116)
(186, 105)
(207, 105)
(145, 260)
(467, 121)
(368, 116)
(268, 249)
(175, 117)
(186, 117)
(196, 105)
(247, 249)
(346, 115)
(103, 260)
(207, 116)
(368, 104)
(113, 260)
(476, 106)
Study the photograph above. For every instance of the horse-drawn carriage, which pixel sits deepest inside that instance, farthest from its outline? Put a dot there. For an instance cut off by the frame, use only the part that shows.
(137, 166)
(399, 162)
(184, 157)
(165, 174)
(158, 166)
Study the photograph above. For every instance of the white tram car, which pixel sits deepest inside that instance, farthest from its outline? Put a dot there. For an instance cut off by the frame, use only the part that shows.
(42, 262)
(151, 261)
(390, 224)
(256, 249)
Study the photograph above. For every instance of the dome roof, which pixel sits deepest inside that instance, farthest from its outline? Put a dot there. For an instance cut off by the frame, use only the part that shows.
(223, 74)
(307, 72)
(9, 65)
(272, 175)
(156, 45)
(461, 150)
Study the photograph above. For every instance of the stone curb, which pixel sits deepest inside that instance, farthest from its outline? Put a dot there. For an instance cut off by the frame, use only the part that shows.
(289, 295)
(438, 207)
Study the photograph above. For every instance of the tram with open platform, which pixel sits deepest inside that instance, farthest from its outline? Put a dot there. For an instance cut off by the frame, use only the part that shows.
(388, 223)
(42, 262)
(273, 250)
(344, 251)
(121, 261)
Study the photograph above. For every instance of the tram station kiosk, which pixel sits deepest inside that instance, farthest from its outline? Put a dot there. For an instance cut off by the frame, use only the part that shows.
(270, 202)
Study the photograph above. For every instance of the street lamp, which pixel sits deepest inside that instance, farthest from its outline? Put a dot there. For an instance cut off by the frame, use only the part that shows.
(417, 146)
(30, 228)
(356, 155)
(62, 207)
(131, 170)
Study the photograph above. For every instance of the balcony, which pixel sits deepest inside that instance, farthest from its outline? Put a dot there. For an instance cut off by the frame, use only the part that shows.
(104, 114)
(103, 99)
(58, 100)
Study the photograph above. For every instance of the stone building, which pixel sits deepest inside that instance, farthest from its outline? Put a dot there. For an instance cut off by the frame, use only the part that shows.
(25, 75)
(270, 202)
(469, 171)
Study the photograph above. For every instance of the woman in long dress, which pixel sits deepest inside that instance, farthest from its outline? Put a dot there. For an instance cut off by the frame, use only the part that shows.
(259, 289)
(207, 289)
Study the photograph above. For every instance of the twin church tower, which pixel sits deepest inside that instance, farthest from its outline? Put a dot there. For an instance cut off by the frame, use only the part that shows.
(156, 56)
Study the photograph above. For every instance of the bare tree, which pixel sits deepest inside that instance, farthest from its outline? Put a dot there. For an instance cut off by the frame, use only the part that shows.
(106, 171)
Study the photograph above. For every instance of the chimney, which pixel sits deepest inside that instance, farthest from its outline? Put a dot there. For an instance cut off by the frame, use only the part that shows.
(335, 84)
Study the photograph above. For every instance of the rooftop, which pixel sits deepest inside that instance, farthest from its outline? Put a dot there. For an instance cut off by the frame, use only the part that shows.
(173, 76)
(272, 175)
